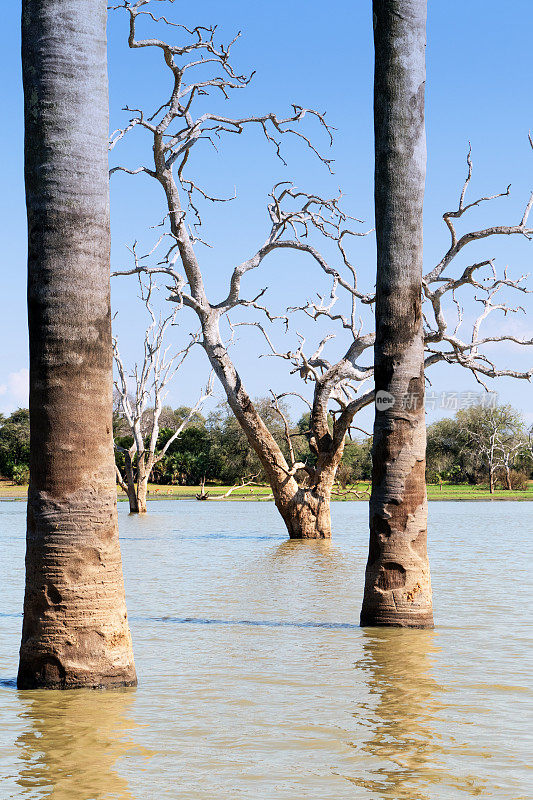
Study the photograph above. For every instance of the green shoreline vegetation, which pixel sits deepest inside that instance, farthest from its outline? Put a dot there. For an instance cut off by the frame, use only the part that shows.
(215, 450)
(10, 491)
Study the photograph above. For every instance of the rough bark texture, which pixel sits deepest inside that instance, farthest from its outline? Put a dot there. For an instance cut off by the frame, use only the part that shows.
(398, 586)
(305, 511)
(75, 630)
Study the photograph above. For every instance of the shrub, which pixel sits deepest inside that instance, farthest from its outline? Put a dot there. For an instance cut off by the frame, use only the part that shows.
(20, 474)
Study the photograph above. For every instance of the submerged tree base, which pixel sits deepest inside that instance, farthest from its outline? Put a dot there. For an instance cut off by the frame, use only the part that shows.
(49, 675)
(383, 618)
(306, 515)
(75, 631)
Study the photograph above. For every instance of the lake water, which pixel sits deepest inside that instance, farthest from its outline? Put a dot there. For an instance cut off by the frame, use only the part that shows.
(255, 681)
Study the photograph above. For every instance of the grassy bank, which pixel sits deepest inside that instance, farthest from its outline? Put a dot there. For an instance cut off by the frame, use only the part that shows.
(8, 491)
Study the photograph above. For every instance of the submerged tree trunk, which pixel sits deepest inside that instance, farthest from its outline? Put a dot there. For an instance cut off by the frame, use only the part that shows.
(142, 492)
(128, 483)
(308, 513)
(397, 585)
(305, 511)
(75, 630)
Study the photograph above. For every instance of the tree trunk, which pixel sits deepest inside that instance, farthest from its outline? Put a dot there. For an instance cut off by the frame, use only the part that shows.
(508, 479)
(305, 511)
(75, 631)
(397, 585)
(307, 515)
(131, 489)
(491, 480)
(142, 491)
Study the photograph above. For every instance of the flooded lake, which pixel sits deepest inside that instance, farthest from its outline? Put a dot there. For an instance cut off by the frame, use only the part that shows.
(255, 680)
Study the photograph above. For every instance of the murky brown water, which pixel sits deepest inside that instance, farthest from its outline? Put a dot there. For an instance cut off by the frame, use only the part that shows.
(255, 681)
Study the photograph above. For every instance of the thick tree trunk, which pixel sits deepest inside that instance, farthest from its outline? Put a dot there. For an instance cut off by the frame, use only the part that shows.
(305, 511)
(75, 631)
(307, 514)
(397, 586)
(491, 480)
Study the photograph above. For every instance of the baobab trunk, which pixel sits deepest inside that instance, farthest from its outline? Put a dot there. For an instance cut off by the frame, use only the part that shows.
(75, 631)
(397, 585)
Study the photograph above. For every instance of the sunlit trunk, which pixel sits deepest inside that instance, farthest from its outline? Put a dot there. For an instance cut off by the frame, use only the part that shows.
(397, 585)
(75, 630)
(307, 514)
(142, 492)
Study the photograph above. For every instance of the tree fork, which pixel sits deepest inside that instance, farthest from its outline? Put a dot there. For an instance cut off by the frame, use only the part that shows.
(397, 584)
(75, 630)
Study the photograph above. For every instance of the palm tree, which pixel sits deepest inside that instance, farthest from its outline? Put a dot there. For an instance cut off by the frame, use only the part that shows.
(75, 630)
(397, 585)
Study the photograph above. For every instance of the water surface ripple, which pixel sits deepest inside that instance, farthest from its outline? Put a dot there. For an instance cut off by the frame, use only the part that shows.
(255, 680)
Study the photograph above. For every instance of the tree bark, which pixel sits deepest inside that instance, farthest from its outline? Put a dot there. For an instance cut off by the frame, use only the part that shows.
(142, 491)
(128, 484)
(397, 585)
(305, 511)
(508, 478)
(75, 631)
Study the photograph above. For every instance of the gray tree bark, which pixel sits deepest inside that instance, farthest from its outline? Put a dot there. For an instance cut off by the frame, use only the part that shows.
(397, 585)
(75, 631)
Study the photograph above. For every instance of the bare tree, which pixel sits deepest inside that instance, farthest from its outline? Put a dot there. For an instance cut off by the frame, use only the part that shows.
(340, 387)
(511, 447)
(203, 495)
(148, 383)
(496, 437)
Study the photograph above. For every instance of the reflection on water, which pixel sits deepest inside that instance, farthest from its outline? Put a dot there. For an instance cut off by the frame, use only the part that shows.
(255, 680)
(397, 665)
(408, 756)
(71, 743)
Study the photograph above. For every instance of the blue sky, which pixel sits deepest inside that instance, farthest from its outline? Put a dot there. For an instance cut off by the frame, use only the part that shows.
(478, 89)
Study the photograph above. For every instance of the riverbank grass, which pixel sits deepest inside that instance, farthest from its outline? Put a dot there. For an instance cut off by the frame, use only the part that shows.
(9, 491)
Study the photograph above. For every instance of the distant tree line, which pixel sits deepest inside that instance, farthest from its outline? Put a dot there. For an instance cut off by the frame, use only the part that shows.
(15, 446)
(478, 445)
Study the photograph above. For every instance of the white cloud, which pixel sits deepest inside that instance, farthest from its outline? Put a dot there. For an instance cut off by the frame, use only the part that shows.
(15, 391)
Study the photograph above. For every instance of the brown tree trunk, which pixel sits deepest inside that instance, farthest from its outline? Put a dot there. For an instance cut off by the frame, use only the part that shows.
(508, 479)
(75, 631)
(305, 512)
(131, 489)
(397, 585)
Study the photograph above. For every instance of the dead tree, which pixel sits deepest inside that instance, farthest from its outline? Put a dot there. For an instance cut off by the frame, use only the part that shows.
(147, 384)
(496, 436)
(342, 387)
(203, 495)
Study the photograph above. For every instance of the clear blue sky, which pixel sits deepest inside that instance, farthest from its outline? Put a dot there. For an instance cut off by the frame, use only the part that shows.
(478, 89)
